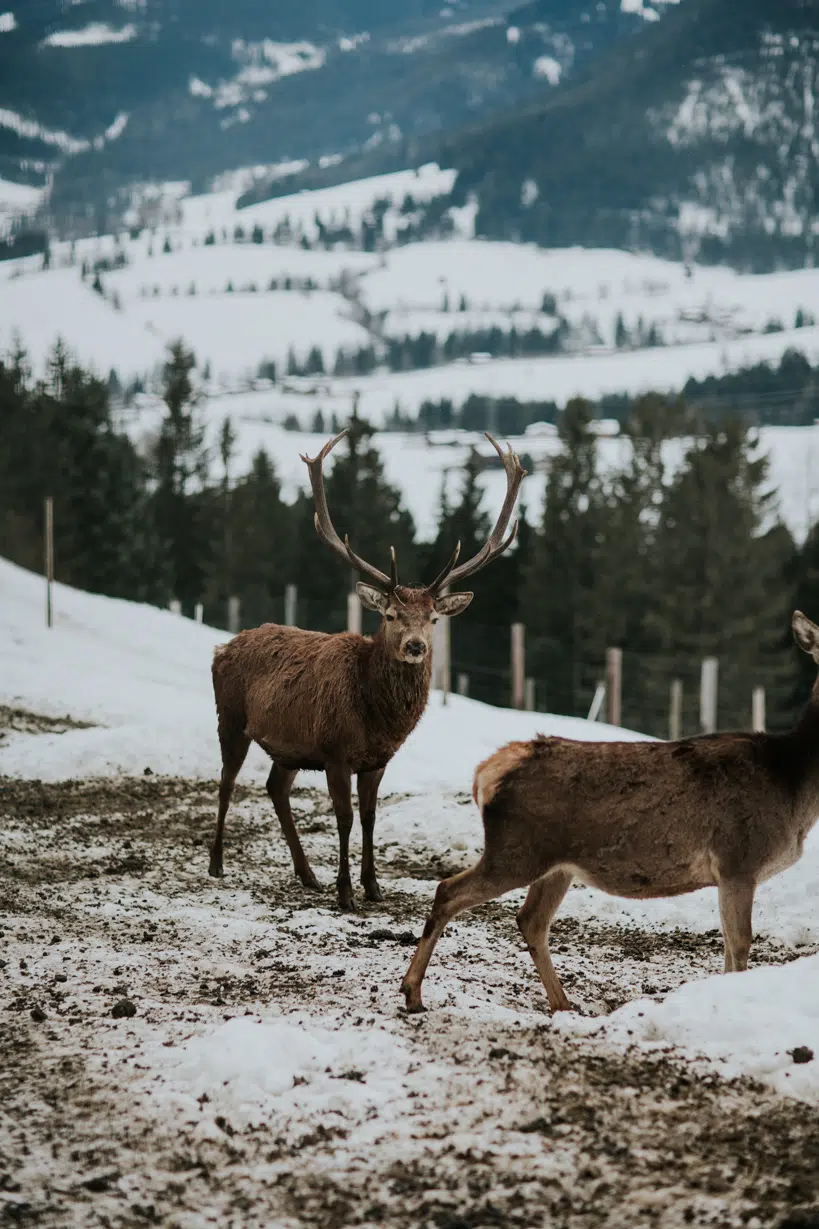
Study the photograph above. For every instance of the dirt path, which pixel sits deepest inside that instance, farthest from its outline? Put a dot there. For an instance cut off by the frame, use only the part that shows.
(482, 1116)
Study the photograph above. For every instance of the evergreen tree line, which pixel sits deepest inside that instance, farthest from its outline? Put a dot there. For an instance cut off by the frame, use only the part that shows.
(670, 562)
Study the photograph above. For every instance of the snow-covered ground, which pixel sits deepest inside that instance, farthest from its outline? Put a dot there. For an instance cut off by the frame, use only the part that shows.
(139, 678)
(166, 1023)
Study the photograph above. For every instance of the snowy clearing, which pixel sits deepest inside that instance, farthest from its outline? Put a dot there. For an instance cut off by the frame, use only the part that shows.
(186, 1050)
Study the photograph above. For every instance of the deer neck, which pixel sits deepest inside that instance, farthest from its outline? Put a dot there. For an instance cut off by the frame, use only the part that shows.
(806, 736)
(396, 692)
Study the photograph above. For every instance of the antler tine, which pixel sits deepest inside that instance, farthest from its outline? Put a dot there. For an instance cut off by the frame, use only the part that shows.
(324, 526)
(440, 579)
(393, 570)
(495, 544)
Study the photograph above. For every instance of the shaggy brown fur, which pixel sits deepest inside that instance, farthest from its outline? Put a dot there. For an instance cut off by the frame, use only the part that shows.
(342, 704)
(639, 820)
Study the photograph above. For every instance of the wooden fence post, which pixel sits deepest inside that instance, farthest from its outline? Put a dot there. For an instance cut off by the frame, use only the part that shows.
(291, 602)
(353, 613)
(614, 686)
(175, 606)
(758, 710)
(529, 695)
(440, 658)
(709, 676)
(462, 684)
(49, 559)
(518, 664)
(675, 710)
(199, 612)
(234, 615)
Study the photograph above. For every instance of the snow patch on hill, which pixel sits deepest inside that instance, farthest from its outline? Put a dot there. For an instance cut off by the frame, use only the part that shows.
(95, 34)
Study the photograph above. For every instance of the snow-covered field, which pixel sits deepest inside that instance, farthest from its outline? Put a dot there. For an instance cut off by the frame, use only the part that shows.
(420, 468)
(267, 1072)
(710, 319)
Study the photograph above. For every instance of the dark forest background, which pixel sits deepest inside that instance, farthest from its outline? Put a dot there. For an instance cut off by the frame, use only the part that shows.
(669, 566)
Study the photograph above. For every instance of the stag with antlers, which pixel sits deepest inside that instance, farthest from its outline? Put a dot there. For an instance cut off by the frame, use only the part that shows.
(343, 703)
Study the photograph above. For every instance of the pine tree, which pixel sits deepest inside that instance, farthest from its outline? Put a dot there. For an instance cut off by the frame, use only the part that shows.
(180, 466)
(565, 636)
(724, 586)
(58, 438)
(315, 362)
(259, 532)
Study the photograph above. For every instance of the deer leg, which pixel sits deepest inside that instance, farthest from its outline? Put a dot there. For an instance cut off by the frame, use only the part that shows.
(736, 903)
(368, 783)
(234, 750)
(534, 920)
(279, 785)
(338, 783)
(453, 896)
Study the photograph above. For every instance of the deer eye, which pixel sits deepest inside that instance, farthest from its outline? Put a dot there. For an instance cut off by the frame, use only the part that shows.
(389, 617)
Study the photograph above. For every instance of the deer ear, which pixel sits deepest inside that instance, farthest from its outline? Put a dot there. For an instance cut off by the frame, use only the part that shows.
(372, 598)
(806, 634)
(453, 604)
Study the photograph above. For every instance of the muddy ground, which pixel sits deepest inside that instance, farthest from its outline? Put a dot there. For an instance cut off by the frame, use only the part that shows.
(494, 1120)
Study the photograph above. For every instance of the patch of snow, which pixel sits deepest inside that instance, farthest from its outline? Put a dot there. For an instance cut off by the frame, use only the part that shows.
(8, 22)
(547, 67)
(351, 42)
(199, 89)
(18, 200)
(249, 1065)
(746, 1024)
(115, 129)
(529, 193)
(640, 9)
(34, 131)
(236, 331)
(263, 63)
(42, 307)
(95, 34)
(513, 34)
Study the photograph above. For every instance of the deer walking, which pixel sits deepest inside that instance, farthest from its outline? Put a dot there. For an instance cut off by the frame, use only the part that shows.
(639, 820)
(343, 703)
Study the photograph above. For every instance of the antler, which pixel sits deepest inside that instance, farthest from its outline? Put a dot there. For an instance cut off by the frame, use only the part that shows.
(495, 544)
(328, 535)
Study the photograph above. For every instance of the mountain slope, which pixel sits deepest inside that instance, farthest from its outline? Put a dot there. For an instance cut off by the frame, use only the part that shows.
(112, 91)
(697, 138)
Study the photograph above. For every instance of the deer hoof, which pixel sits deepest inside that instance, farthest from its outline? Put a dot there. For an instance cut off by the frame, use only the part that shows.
(372, 891)
(215, 870)
(309, 880)
(414, 1005)
(346, 900)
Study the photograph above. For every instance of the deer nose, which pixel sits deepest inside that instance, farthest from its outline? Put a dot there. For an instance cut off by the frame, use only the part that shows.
(416, 648)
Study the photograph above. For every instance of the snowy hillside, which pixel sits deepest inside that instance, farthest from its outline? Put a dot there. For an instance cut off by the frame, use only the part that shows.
(629, 322)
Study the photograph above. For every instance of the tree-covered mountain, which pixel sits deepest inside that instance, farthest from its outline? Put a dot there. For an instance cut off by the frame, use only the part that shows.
(696, 139)
(107, 92)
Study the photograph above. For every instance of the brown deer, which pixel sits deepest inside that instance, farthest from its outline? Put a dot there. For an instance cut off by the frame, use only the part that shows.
(640, 820)
(341, 703)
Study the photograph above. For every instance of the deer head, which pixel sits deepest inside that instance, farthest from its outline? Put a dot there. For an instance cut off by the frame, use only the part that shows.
(408, 613)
